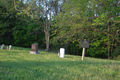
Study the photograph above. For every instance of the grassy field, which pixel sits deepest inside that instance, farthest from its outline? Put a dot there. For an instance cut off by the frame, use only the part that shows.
(19, 64)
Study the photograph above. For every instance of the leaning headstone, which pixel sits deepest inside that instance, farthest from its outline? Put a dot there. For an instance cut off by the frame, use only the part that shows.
(10, 46)
(34, 49)
(2, 46)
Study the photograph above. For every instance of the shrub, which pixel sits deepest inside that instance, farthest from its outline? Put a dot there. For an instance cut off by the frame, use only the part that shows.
(116, 53)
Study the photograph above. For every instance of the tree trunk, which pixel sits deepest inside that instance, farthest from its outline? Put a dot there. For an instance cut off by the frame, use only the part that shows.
(47, 38)
(108, 44)
(47, 25)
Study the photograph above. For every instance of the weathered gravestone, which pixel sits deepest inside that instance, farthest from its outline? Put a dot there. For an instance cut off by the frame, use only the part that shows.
(34, 49)
(10, 46)
(84, 44)
(2, 46)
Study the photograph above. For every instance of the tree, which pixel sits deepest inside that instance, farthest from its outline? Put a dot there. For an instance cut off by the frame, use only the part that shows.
(81, 19)
(40, 9)
(29, 26)
(7, 21)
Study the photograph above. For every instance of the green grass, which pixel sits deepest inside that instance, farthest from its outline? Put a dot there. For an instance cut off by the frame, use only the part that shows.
(19, 64)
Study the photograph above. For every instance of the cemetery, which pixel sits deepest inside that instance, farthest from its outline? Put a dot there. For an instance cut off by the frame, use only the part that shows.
(59, 39)
(19, 63)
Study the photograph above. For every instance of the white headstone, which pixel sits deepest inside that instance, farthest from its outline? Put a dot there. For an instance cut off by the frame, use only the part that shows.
(2, 46)
(62, 52)
(10, 46)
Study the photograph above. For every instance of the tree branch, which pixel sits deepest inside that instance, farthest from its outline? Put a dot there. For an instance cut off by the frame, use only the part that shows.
(93, 29)
(107, 16)
(103, 33)
(16, 8)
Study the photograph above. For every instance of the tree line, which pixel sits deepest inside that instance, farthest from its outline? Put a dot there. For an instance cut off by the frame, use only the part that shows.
(63, 23)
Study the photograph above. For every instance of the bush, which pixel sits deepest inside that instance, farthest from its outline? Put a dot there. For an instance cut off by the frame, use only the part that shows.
(117, 58)
(116, 53)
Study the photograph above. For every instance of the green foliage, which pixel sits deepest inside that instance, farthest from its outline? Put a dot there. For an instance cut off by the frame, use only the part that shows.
(97, 21)
(116, 53)
(101, 21)
(7, 21)
(18, 28)
(97, 51)
(27, 33)
(116, 58)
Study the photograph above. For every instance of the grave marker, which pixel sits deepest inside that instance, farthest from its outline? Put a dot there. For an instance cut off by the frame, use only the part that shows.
(2, 46)
(34, 49)
(10, 46)
(84, 44)
(62, 52)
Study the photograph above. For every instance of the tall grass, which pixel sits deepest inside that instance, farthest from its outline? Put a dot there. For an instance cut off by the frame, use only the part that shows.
(19, 64)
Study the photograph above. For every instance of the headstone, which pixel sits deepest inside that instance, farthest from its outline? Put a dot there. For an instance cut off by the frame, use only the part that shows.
(10, 46)
(62, 52)
(34, 49)
(2, 46)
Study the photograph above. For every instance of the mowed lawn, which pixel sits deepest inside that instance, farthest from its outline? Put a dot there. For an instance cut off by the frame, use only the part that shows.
(19, 64)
